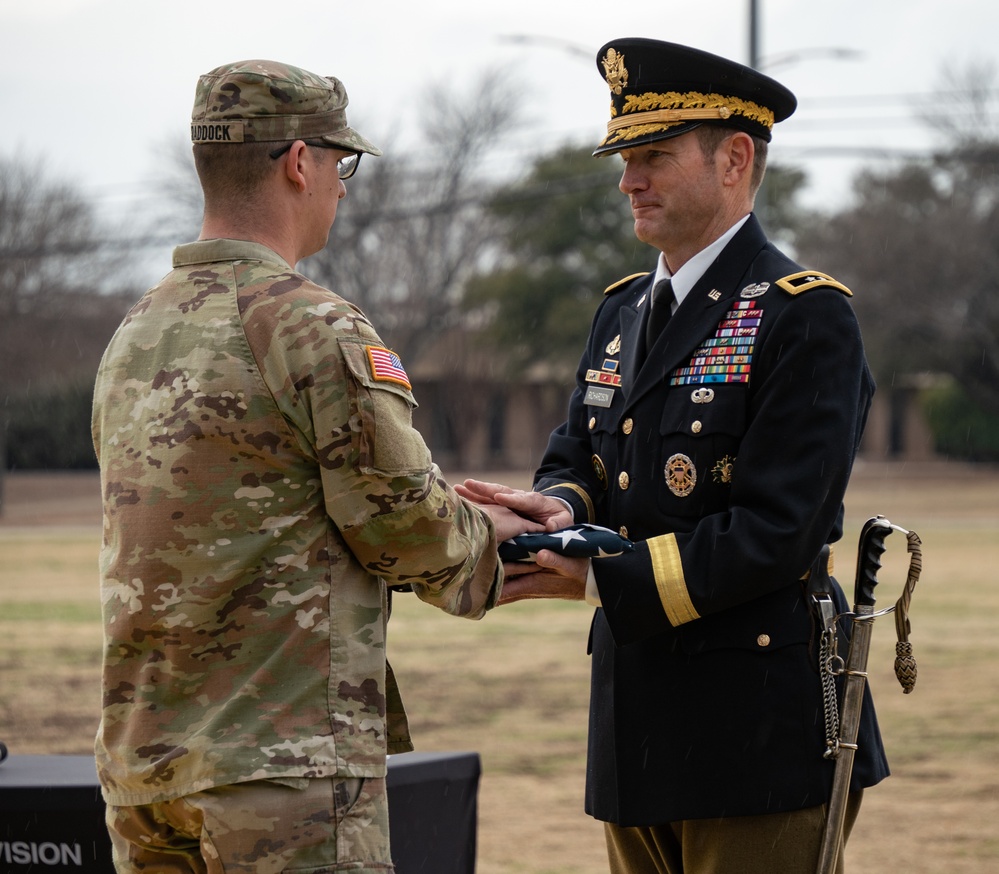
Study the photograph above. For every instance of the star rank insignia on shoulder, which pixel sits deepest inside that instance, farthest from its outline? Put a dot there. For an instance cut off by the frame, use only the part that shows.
(797, 283)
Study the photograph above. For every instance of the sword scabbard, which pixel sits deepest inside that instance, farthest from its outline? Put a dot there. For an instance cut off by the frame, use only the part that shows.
(872, 546)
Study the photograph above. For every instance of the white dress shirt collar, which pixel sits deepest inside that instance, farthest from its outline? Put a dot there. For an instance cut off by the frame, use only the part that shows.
(686, 277)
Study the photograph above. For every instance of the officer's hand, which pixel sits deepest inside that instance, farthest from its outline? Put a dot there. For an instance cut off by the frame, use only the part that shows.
(554, 576)
(552, 513)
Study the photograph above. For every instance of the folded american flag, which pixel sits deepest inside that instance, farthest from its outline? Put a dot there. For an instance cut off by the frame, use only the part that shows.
(587, 541)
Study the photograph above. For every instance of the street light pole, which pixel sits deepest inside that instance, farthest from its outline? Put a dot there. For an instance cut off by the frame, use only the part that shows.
(754, 34)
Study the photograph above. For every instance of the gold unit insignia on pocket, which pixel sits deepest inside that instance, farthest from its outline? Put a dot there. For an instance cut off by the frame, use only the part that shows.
(722, 471)
(681, 475)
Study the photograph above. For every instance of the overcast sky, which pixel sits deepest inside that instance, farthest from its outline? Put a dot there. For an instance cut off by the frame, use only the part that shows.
(94, 87)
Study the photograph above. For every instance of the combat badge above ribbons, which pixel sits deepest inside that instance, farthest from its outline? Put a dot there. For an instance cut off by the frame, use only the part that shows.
(755, 290)
(681, 475)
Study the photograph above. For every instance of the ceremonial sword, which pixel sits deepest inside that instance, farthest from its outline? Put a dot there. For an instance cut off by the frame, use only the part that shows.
(843, 746)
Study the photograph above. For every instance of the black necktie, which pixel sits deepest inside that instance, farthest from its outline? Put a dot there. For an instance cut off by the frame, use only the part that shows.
(662, 309)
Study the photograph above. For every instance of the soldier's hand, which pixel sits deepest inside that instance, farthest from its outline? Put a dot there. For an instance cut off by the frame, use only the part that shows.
(508, 523)
(552, 513)
(554, 576)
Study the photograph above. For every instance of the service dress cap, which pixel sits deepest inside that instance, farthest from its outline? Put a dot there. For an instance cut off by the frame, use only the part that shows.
(661, 90)
(265, 101)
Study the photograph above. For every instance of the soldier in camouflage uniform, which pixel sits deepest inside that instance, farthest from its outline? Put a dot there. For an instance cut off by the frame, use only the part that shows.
(263, 489)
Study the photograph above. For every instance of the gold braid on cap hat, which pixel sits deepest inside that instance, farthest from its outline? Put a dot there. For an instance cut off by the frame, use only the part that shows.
(648, 113)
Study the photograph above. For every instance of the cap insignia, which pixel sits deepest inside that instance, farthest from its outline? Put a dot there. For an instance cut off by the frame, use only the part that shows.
(614, 71)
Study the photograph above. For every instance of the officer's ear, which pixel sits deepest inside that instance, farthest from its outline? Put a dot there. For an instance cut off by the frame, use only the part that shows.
(735, 156)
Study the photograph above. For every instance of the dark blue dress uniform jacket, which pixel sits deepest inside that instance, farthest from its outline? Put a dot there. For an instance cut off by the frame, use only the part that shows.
(706, 697)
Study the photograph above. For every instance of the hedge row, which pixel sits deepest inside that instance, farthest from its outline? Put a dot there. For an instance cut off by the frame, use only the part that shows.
(49, 431)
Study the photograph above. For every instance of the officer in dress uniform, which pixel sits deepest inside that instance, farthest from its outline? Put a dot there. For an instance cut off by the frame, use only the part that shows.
(718, 408)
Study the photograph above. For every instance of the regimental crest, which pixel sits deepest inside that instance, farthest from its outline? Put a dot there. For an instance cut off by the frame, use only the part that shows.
(614, 71)
(723, 469)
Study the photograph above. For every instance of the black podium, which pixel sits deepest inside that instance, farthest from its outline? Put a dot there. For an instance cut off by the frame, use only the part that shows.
(52, 814)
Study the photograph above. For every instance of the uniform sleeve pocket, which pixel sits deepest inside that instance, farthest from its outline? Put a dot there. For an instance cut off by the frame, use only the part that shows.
(383, 418)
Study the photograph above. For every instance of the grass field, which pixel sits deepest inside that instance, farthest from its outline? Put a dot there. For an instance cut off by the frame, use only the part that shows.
(514, 686)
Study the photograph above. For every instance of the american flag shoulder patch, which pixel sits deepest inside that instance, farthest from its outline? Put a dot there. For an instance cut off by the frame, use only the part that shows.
(386, 366)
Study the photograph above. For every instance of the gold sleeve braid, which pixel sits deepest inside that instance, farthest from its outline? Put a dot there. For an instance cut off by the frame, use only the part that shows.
(668, 570)
(572, 487)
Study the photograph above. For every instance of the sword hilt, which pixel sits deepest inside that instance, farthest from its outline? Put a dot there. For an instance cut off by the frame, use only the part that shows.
(872, 547)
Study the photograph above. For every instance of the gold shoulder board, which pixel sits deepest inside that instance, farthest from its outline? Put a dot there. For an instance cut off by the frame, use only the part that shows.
(796, 283)
(616, 285)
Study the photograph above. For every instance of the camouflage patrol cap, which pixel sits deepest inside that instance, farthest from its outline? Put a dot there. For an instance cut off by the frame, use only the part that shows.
(265, 101)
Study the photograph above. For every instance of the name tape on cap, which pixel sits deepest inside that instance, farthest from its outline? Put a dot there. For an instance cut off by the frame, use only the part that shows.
(217, 132)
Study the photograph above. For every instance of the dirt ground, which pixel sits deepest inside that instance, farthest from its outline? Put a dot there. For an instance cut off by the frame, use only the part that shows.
(514, 687)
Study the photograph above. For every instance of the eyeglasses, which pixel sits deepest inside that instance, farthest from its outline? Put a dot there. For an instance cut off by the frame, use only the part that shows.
(345, 167)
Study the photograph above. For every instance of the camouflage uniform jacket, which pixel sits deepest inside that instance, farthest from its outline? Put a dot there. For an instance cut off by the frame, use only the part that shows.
(262, 486)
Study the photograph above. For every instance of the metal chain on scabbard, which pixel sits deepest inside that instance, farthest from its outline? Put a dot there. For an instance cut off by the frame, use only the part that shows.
(830, 666)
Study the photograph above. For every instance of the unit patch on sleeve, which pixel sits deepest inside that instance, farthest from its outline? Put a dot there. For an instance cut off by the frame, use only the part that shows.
(386, 366)
(727, 356)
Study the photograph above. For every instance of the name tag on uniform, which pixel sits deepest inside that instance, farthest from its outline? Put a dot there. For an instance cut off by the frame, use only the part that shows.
(598, 396)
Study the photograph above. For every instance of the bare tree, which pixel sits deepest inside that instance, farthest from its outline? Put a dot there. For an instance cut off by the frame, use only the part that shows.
(181, 203)
(47, 242)
(961, 109)
(406, 241)
(411, 232)
(62, 281)
(64, 286)
(919, 246)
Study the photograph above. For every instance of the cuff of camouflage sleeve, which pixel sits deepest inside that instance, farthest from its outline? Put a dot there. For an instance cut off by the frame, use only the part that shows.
(667, 570)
